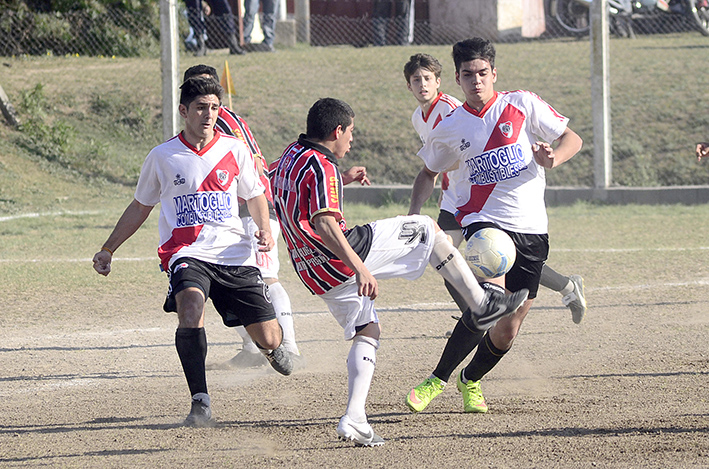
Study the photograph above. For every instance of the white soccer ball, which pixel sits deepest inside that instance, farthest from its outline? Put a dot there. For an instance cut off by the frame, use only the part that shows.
(490, 253)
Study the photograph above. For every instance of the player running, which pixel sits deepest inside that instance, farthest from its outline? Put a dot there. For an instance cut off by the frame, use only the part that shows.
(423, 79)
(493, 139)
(229, 123)
(197, 177)
(342, 265)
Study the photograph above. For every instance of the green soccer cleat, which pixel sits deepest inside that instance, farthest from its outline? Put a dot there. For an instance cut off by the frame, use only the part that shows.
(473, 400)
(422, 395)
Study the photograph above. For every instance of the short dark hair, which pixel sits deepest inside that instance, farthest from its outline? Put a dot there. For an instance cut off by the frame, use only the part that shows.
(199, 86)
(473, 49)
(326, 115)
(200, 69)
(424, 61)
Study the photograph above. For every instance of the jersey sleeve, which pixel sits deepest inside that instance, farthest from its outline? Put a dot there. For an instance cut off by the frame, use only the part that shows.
(325, 188)
(545, 122)
(437, 154)
(249, 184)
(147, 191)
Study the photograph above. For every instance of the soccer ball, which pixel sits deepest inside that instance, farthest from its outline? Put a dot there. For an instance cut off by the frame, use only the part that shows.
(490, 253)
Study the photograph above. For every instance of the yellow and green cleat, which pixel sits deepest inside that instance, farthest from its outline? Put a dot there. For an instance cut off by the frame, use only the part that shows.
(422, 395)
(473, 400)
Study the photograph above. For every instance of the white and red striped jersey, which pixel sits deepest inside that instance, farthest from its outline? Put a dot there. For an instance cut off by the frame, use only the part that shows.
(306, 181)
(197, 191)
(500, 182)
(424, 124)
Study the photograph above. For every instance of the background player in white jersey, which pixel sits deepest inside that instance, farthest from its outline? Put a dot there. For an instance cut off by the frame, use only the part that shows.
(197, 177)
(342, 265)
(702, 150)
(494, 138)
(230, 123)
(423, 79)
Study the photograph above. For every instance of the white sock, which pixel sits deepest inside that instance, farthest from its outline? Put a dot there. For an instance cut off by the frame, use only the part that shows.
(567, 289)
(361, 362)
(450, 263)
(284, 315)
(249, 344)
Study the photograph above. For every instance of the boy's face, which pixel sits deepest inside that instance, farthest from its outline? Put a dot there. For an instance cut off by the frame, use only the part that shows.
(424, 85)
(201, 116)
(476, 78)
(343, 140)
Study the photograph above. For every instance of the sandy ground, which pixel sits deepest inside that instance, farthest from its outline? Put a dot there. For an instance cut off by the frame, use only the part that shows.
(100, 385)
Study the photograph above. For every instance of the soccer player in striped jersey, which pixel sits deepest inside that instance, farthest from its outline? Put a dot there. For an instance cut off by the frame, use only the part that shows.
(230, 123)
(196, 177)
(495, 139)
(342, 265)
(423, 79)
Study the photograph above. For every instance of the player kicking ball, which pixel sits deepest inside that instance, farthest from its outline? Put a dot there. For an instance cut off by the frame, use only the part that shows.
(343, 265)
(197, 177)
(496, 140)
(423, 79)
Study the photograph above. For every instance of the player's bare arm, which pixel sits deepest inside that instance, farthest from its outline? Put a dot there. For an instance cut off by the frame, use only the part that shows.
(422, 189)
(702, 150)
(356, 173)
(568, 144)
(331, 234)
(258, 208)
(132, 219)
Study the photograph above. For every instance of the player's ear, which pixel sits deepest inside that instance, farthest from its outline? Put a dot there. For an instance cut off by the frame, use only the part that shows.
(182, 109)
(337, 132)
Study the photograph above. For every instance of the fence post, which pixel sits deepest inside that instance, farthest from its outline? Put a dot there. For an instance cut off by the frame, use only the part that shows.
(600, 95)
(302, 19)
(169, 65)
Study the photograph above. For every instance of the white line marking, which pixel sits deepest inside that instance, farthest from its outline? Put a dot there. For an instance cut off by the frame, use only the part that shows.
(50, 214)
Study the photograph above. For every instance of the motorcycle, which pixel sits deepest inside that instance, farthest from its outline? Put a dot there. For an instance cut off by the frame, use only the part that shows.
(573, 15)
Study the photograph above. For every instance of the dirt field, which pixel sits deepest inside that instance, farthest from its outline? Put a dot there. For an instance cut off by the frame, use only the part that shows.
(93, 380)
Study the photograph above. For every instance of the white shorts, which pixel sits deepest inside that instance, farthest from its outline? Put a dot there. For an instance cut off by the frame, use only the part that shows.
(267, 261)
(401, 248)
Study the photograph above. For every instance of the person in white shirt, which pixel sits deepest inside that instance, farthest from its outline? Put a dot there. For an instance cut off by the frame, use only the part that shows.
(197, 177)
(500, 141)
(423, 79)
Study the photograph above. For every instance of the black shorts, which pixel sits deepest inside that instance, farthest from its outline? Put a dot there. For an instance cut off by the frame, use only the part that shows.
(532, 252)
(238, 293)
(447, 221)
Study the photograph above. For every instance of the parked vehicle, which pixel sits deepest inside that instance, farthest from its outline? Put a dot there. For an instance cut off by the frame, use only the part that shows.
(573, 15)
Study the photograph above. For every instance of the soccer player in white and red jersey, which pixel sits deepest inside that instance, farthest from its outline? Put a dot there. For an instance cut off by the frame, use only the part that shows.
(495, 138)
(197, 177)
(342, 265)
(423, 79)
(230, 123)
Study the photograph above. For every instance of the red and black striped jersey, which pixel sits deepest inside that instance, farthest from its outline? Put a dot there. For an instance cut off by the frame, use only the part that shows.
(230, 123)
(305, 182)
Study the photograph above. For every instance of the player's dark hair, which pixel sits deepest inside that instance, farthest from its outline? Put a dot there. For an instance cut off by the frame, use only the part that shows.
(200, 69)
(424, 61)
(194, 87)
(326, 115)
(473, 49)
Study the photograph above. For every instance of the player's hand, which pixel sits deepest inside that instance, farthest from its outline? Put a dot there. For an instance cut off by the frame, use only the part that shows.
(264, 240)
(367, 285)
(543, 154)
(702, 150)
(356, 173)
(102, 262)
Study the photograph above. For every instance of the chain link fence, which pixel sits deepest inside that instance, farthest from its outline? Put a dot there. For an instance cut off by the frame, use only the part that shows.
(118, 30)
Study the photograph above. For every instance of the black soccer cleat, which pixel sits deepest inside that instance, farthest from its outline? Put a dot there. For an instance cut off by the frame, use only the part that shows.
(497, 305)
(280, 360)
